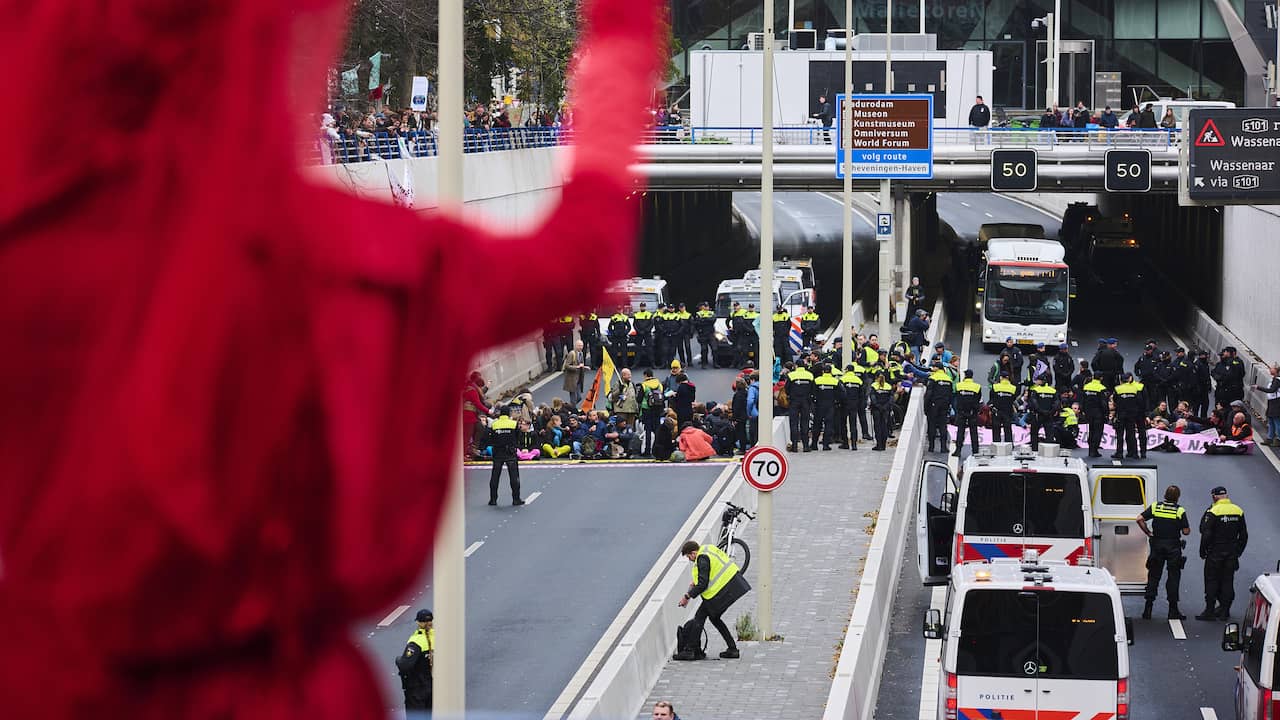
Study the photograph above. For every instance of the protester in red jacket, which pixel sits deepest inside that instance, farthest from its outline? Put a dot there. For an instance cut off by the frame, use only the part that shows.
(695, 443)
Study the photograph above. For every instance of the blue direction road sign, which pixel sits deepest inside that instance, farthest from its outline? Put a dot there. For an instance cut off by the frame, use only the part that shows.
(890, 136)
(884, 224)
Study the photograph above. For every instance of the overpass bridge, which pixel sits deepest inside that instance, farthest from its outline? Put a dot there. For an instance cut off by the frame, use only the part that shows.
(730, 159)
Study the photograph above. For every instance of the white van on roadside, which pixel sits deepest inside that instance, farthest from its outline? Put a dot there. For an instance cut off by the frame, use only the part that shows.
(1255, 638)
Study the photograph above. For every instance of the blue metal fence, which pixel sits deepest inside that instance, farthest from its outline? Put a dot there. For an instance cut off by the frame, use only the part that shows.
(424, 143)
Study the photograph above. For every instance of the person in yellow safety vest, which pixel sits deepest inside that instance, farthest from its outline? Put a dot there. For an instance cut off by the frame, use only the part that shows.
(1068, 427)
(1168, 526)
(1042, 409)
(414, 665)
(847, 423)
(564, 337)
(825, 388)
(782, 335)
(1223, 538)
(685, 348)
(1131, 408)
(968, 397)
(1094, 396)
(870, 352)
(800, 402)
(642, 323)
(719, 582)
(748, 342)
(704, 326)
(861, 407)
(1003, 398)
(502, 443)
(881, 400)
(619, 337)
(937, 405)
(810, 324)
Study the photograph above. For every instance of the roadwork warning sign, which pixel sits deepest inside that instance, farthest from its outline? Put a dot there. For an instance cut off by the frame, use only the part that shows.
(1209, 136)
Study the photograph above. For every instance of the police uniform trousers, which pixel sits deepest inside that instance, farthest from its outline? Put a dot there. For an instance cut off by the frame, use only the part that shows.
(882, 418)
(860, 416)
(417, 698)
(848, 423)
(798, 419)
(1128, 433)
(782, 348)
(823, 420)
(1096, 426)
(704, 345)
(644, 348)
(1220, 580)
(1040, 421)
(1164, 553)
(1001, 426)
(937, 426)
(686, 350)
(971, 422)
(495, 474)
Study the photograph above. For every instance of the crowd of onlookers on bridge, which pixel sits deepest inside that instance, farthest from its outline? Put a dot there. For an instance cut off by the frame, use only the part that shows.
(359, 135)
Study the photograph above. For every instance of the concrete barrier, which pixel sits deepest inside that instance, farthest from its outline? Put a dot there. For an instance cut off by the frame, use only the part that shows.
(623, 682)
(857, 681)
(511, 366)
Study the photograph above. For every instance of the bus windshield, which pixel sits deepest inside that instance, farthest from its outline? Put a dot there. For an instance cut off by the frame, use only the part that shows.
(1055, 633)
(1026, 294)
(1036, 504)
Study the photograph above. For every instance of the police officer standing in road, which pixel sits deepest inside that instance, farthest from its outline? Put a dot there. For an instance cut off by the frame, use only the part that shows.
(1181, 380)
(1063, 367)
(1042, 409)
(810, 324)
(642, 323)
(589, 332)
(502, 438)
(1168, 523)
(1014, 354)
(799, 403)
(1229, 374)
(1093, 402)
(1223, 537)
(619, 335)
(686, 335)
(854, 400)
(968, 397)
(781, 334)
(825, 388)
(1002, 397)
(937, 404)
(704, 325)
(1131, 408)
(719, 582)
(881, 400)
(1144, 368)
(1203, 384)
(1108, 363)
(414, 666)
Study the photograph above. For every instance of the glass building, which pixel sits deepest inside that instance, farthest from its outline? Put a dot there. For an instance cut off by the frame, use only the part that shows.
(1177, 48)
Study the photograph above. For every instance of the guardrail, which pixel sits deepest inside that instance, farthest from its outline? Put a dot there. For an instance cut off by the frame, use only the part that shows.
(382, 145)
(1040, 139)
(857, 681)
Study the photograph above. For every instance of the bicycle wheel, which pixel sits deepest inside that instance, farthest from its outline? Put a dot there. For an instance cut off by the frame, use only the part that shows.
(740, 554)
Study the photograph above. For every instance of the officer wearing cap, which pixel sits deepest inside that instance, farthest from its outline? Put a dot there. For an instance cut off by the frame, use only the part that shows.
(1181, 379)
(782, 334)
(502, 441)
(1108, 363)
(1144, 368)
(1002, 397)
(414, 665)
(1093, 402)
(1042, 407)
(1131, 408)
(1063, 368)
(1223, 537)
(1229, 375)
(1203, 383)
(704, 325)
(642, 322)
(685, 347)
(1168, 524)
(968, 397)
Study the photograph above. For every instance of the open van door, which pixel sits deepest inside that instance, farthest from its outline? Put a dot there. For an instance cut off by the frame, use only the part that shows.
(935, 522)
(796, 303)
(1119, 494)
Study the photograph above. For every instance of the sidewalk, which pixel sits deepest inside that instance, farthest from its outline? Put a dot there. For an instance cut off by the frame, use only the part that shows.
(820, 541)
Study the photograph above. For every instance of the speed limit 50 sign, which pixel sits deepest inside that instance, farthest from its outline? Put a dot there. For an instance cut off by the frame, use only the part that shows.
(1128, 171)
(765, 468)
(1013, 170)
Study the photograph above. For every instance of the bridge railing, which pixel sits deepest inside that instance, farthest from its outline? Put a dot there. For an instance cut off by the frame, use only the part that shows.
(1037, 138)
(425, 143)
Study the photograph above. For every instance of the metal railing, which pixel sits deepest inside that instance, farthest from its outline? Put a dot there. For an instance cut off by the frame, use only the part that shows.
(424, 143)
(1037, 138)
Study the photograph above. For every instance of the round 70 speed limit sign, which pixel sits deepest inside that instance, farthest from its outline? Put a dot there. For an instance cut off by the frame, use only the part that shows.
(765, 468)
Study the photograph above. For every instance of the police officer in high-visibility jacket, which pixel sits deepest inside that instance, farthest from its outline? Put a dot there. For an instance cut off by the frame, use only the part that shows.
(1003, 396)
(937, 404)
(799, 389)
(704, 326)
(825, 388)
(719, 582)
(502, 441)
(1168, 524)
(619, 337)
(782, 334)
(414, 666)
(642, 322)
(1223, 537)
(968, 397)
(685, 348)
(1093, 402)
(1042, 408)
(810, 324)
(1131, 407)
(854, 402)
(881, 401)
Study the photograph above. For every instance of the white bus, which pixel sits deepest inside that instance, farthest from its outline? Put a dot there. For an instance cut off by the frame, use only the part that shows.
(1024, 289)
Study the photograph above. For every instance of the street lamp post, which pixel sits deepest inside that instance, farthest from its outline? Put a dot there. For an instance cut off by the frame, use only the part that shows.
(764, 352)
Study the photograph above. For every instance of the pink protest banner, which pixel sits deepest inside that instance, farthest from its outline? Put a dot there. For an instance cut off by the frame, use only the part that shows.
(1194, 444)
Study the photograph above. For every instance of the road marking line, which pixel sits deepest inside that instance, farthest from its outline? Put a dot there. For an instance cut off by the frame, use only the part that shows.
(534, 387)
(856, 210)
(932, 656)
(988, 214)
(529, 500)
(1179, 633)
(965, 204)
(392, 616)
(472, 548)
(1117, 463)
(1208, 714)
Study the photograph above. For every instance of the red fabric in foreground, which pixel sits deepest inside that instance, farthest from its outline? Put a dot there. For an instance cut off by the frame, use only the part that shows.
(228, 398)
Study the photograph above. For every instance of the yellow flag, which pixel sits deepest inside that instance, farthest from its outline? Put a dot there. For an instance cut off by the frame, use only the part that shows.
(607, 369)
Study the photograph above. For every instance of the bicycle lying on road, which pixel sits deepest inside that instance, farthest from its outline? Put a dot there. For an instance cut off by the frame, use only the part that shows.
(734, 546)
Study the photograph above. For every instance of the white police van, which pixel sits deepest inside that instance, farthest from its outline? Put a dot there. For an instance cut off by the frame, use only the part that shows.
(1027, 638)
(1255, 638)
(1009, 500)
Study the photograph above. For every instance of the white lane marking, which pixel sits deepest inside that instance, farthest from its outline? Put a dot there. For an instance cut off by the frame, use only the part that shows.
(988, 214)
(932, 657)
(856, 211)
(1179, 633)
(1208, 714)
(1115, 462)
(965, 204)
(392, 616)
(534, 387)
(533, 496)
(472, 548)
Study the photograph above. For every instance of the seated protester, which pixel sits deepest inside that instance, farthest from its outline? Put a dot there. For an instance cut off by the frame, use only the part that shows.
(1067, 427)
(598, 429)
(1240, 431)
(1219, 418)
(664, 440)
(555, 439)
(627, 438)
(695, 443)
(1159, 412)
(720, 428)
(526, 442)
(578, 434)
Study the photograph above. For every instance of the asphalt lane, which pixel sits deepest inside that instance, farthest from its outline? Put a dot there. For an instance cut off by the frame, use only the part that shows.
(1170, 677)
(548, 577)
(967, 212)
